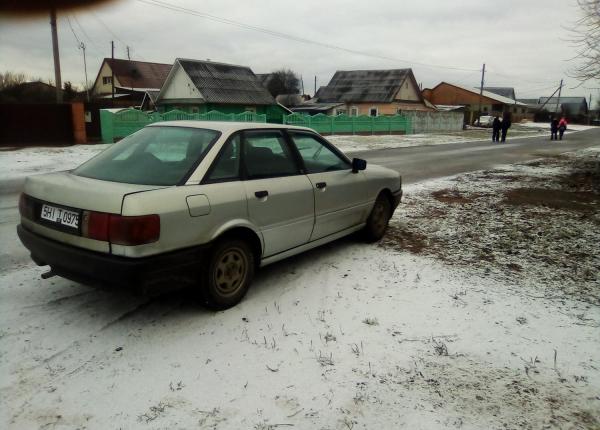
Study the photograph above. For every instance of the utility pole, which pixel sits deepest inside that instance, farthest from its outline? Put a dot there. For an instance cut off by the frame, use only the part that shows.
(302, 85)
(112, 69)
(548, 99)
(57, 80)
(558, 99)
(315, 86)
(481, 91)
(87, 91)
(128, 56)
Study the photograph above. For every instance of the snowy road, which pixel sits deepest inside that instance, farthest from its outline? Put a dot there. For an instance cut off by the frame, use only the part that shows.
(428, 162)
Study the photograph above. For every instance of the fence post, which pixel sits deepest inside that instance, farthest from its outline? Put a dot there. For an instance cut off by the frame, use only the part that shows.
(332, 121)
(107, 126)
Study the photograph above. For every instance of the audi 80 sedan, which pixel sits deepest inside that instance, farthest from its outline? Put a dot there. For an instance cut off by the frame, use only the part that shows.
(205, 203)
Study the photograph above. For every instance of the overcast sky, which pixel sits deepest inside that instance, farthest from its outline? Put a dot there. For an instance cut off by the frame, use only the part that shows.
(523, 43)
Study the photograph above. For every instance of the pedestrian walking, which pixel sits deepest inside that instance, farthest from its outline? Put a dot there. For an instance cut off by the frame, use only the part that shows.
(496, 125)
(553, 129)
(562, 126)
(505, 125)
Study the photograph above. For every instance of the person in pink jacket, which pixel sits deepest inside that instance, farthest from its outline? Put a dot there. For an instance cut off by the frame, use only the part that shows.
(562, 126)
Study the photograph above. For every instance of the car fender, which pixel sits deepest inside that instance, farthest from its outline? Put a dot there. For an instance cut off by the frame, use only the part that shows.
(237, 223)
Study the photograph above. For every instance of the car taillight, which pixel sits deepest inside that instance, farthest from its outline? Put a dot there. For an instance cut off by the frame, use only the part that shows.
(121, 230)
(95, 225)
(26, 206)
(134, 230)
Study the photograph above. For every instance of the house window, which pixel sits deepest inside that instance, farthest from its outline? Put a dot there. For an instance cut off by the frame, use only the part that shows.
(353, 111)
(485, 108)
(250, 109)
(514, 110)
(399, 111)
(522, 110)
(340, 111)
(106, 80)
(194, 109)
(373, 111)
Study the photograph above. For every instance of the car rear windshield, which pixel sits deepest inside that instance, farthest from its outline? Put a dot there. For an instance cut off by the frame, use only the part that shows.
(152, 156)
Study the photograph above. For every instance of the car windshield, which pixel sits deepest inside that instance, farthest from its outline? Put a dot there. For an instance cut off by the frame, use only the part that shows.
(152, 156)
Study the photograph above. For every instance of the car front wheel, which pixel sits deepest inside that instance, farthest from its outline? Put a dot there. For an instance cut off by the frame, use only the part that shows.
(378, 219)
(227, 274)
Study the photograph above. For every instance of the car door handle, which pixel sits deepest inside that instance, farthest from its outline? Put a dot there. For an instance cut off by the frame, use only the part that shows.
(261, 194)
(321, 185)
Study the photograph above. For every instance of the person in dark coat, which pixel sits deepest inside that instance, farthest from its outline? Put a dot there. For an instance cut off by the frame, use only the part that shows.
(562, 126)
(554, 129)
(505, 125)
(496, 125)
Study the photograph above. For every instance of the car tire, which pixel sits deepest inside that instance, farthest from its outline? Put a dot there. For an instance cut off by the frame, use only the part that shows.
(227, 274)
(378, 219)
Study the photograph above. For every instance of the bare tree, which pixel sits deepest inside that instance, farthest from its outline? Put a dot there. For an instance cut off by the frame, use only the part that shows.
(283, 81)
(11, 79)
(586, 38)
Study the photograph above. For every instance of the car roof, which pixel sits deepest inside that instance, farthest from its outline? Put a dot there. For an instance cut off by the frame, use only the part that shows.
(226, 126)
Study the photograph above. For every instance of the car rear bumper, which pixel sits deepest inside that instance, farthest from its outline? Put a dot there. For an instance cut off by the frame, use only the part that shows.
(144, 275)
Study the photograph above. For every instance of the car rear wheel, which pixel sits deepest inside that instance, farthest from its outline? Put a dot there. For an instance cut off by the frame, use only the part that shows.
(227, 274)
(378, 219)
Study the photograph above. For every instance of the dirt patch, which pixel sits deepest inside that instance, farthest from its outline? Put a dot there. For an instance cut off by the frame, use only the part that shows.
(537, 227)
(401, 238)
(451, 196)
(582, 201)
(585, 176)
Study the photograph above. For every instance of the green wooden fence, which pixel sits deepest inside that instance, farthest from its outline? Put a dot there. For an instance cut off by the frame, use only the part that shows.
(119, 124)
(343, 124)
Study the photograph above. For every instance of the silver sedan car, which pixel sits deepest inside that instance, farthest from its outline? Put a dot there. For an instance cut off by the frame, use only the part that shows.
(201, 203)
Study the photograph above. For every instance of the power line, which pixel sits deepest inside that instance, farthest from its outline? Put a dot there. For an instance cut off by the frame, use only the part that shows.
(107, 27)
(86, 35)
(287, 36)
(73, 31)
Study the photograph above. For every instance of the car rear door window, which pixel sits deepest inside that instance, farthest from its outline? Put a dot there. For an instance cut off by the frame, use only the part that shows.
(316, 155)
(266, 154)
(158, 155)
(226, 166)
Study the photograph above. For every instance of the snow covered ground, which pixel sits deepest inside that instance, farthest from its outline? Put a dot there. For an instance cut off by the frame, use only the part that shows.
(546, 126)
(422, 331)
(351, 143)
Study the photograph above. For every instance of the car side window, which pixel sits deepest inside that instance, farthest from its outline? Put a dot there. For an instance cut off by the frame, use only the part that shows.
(226, 166)
(317, 157)
(267, 155)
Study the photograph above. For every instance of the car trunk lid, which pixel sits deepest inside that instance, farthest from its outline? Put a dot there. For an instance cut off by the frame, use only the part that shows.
(79, 192)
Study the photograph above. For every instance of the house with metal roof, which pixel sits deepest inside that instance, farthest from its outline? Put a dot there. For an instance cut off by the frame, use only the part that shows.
(131, 80)
(543, 108)
(368, 92)
(507, 92)
(198, 86)
(472, 98)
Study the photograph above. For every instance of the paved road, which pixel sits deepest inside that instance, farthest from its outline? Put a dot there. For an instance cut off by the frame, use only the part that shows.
(429, 162)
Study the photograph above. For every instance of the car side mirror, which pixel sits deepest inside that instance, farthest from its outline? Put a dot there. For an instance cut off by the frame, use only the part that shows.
(358, 164)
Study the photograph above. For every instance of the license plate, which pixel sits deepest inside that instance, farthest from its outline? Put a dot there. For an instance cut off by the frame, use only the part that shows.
(60, 216)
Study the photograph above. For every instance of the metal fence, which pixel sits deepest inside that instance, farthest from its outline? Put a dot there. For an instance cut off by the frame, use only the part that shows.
(429, 122)
(117, 124)
(343, 124)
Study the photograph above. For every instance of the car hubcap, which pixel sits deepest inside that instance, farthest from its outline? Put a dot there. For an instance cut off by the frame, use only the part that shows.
(379, 218)
(230, 271)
